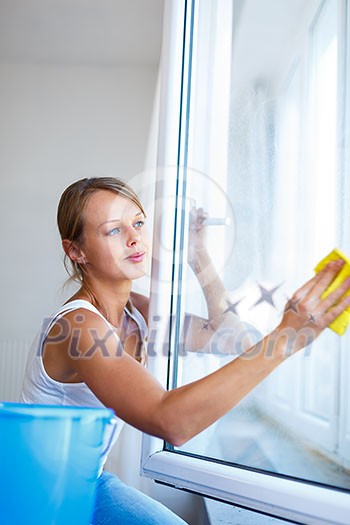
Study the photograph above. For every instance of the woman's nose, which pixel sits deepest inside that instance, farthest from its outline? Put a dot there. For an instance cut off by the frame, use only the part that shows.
(132, 236)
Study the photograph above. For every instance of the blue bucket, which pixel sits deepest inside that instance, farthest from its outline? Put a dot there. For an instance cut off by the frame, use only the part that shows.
(49, 459)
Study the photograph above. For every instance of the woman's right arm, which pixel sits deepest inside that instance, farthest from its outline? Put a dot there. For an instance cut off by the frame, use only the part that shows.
(179, 414)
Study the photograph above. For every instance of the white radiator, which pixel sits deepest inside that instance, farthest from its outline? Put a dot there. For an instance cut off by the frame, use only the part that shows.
(13, 358)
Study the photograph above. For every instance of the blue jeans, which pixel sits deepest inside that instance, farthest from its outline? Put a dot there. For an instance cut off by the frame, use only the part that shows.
(116, 503)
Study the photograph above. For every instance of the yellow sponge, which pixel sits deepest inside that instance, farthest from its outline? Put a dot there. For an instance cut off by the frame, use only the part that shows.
(340, 324)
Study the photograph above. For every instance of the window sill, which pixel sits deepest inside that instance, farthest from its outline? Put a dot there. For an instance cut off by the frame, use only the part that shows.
(218, 513)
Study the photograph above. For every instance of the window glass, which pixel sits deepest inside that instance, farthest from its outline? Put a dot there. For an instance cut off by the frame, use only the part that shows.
(264, 167)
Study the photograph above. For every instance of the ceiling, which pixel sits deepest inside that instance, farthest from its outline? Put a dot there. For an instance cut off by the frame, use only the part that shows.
(93, 32)
(129, 32)
(265, 32)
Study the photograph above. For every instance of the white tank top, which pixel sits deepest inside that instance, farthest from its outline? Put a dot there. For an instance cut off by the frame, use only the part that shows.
(40, 389)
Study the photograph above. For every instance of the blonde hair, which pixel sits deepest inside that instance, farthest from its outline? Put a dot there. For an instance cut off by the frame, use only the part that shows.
(71, 208)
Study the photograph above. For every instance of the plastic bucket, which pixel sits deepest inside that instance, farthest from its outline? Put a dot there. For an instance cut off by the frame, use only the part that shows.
(49, 462)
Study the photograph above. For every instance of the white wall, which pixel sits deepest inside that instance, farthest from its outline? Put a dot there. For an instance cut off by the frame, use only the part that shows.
(58, 123)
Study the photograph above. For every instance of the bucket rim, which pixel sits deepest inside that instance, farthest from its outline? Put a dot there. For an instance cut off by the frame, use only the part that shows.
(9, 409)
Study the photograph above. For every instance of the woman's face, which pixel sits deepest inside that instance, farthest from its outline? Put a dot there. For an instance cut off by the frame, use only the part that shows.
(115, 241)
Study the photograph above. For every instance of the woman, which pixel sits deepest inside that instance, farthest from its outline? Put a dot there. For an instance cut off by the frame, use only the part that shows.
(91, 351)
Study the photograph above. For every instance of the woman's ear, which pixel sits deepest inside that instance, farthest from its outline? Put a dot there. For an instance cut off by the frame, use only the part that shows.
(72, 250)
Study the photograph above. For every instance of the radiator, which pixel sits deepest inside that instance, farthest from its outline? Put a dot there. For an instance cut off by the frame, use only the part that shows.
(13, 357)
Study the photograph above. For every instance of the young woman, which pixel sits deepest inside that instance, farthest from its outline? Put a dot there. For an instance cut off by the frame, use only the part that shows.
(91, 352)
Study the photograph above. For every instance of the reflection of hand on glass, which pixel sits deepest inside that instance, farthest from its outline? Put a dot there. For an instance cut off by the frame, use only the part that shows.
(200, 331)
(196, 237)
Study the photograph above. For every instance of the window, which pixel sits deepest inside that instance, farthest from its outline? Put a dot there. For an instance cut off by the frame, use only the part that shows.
(257, 92)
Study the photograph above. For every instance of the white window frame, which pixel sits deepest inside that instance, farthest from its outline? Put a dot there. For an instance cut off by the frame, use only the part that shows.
(276, 495)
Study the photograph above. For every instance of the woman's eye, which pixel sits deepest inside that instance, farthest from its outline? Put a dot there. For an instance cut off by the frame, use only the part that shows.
(114, 231)
(139, 224)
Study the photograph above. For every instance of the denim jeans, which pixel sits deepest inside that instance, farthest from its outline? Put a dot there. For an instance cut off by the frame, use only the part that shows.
(116, 503)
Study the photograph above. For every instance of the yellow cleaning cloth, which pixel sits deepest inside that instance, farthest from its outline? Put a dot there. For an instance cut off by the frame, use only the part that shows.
(340, 324)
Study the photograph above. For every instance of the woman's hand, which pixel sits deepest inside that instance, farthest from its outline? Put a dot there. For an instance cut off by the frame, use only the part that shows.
(306, 314)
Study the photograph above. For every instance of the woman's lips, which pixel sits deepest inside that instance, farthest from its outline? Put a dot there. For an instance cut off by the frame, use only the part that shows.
(137, 257)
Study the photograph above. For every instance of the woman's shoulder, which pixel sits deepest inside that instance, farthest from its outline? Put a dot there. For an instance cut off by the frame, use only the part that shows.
(75, 333)
(77, 319)
(141, 303)
(78, 311)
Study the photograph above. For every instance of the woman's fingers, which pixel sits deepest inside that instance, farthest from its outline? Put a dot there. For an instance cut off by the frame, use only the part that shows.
(328, 317)
(314, 288)
(326, 278)
(334, 301)
(321, 312)
(307, 303)
(308, 311)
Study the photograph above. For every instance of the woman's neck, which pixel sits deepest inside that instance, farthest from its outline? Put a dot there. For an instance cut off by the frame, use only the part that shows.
(109, 299)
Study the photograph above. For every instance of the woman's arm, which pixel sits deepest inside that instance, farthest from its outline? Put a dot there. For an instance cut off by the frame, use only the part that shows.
(178, 415)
